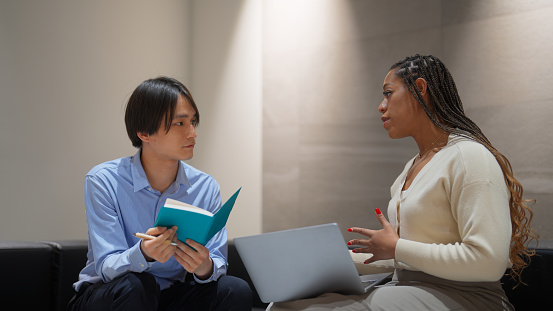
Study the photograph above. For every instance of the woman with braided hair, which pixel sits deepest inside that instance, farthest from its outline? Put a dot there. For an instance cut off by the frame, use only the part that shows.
(457, 219)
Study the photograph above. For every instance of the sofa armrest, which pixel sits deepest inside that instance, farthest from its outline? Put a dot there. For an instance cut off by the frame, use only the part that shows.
(69, 260)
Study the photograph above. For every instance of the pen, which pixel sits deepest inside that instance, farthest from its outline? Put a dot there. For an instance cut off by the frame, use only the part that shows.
(151, 237)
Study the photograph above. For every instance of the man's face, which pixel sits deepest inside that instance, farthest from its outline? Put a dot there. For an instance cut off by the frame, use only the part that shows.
(178, 143)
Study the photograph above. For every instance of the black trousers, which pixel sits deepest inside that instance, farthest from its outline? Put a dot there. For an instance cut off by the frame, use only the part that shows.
(140, 291)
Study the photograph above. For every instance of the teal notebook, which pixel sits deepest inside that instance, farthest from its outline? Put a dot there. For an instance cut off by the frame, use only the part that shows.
(193, 222)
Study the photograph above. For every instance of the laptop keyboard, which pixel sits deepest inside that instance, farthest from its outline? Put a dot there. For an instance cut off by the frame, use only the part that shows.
(369, 280)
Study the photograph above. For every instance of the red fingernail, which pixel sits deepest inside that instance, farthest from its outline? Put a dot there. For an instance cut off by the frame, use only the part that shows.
(350, 230)
(354, 250)
(349, 243)
(378, 211)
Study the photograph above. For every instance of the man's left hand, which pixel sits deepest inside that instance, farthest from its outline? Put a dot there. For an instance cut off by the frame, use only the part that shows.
(195, 260)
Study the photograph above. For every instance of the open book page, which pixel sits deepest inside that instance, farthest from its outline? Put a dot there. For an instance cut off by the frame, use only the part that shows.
(187, 207)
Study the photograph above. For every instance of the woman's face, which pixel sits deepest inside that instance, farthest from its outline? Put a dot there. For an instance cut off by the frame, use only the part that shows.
(400, 110)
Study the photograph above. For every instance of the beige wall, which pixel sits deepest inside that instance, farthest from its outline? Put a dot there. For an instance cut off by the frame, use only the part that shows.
(288, 92)
(66, 71)
(226, 67)
(326, 157)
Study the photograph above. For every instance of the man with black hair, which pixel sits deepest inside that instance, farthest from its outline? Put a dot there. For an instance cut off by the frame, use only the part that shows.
(123, 197)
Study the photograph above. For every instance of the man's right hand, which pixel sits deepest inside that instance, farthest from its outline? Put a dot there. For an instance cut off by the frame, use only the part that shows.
(155, 249)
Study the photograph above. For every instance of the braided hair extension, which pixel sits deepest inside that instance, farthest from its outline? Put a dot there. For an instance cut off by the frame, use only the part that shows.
(445, 110)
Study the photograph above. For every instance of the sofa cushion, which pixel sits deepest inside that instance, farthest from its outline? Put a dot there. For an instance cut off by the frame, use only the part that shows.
(27, 274)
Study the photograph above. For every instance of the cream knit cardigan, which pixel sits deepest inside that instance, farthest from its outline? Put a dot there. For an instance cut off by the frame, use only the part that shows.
(454, 218)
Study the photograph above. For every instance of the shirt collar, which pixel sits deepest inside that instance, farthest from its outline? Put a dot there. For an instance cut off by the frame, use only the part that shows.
(140, 180)
(182, 179)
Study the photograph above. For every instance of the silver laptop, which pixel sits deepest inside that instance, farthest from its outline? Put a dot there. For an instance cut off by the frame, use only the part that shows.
(302, 263)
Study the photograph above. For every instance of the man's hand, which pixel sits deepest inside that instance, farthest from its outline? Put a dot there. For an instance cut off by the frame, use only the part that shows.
(194, 261)
(155, 249)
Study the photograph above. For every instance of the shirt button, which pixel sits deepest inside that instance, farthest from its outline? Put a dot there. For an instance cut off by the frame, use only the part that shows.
(142, 265)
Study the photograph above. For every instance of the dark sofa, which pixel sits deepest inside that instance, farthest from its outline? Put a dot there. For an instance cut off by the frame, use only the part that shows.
(39, 275)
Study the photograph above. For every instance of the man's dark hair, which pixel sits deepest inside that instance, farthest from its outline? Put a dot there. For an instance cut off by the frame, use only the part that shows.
(150, 102)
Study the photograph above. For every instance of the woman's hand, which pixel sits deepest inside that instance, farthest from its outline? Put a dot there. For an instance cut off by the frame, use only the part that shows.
(381, 243)
(194, 260)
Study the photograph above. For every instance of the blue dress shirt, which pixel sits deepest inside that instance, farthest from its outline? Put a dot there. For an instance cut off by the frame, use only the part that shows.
(119, 201)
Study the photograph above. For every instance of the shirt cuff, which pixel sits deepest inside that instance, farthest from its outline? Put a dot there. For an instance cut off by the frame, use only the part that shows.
(219, 269)
(137, 260)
